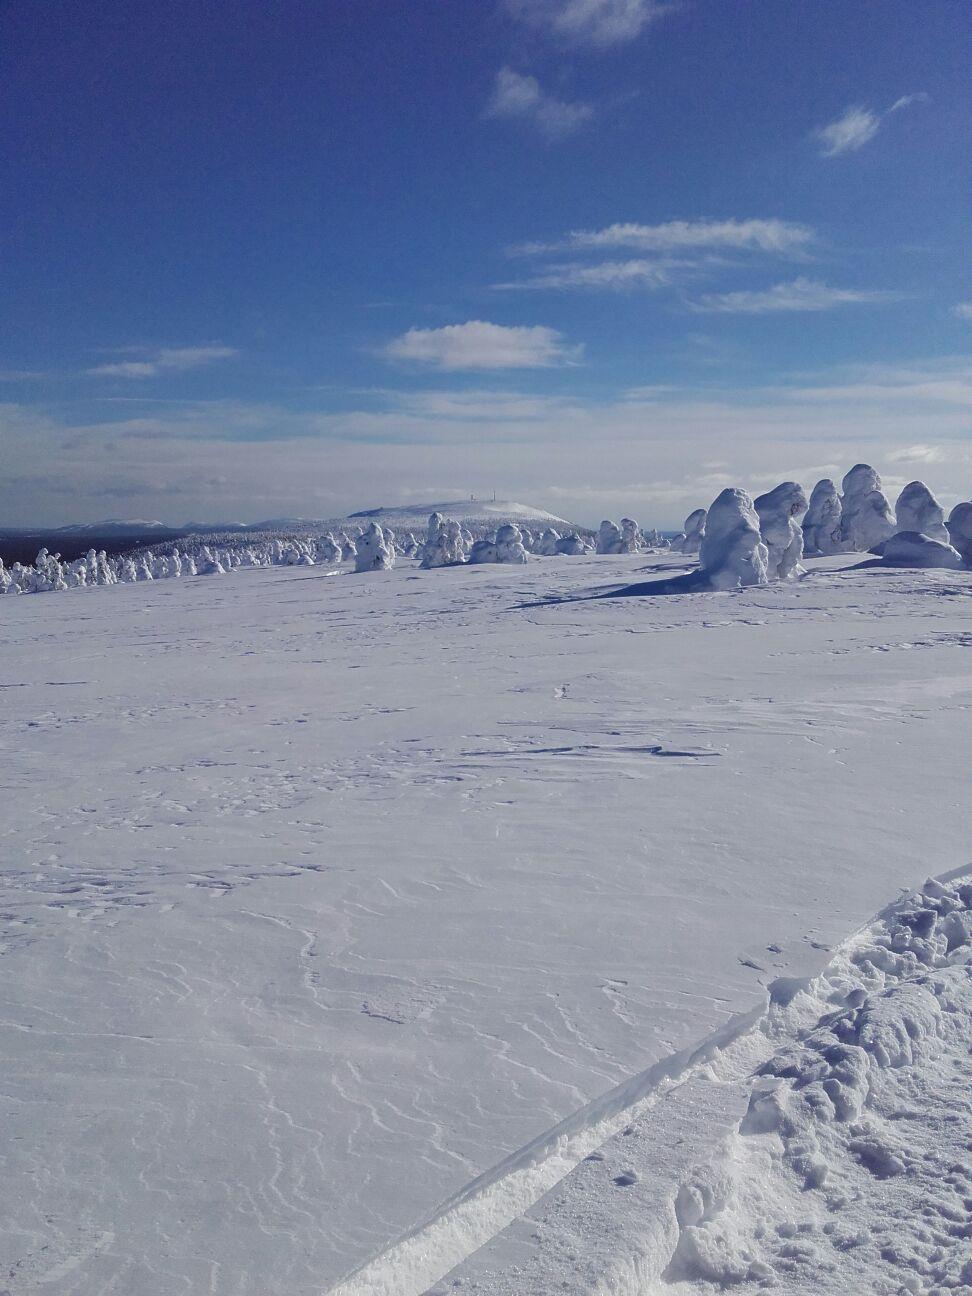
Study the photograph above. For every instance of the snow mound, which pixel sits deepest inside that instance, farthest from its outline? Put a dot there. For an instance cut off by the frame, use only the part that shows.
(913, 549)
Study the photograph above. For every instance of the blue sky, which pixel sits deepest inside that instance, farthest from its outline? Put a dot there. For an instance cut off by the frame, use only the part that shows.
(600, 255)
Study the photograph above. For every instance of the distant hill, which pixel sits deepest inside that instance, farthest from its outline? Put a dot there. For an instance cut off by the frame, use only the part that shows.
(119, 535)
(491, 513)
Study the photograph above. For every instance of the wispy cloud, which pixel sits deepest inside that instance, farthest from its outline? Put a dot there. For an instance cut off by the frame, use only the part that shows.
(962, 310)
(798, 295)
(167, 359)
(858, 126)
(478, 344)
(618, 275)
(774, 236)
(595, 23)
(520, 97)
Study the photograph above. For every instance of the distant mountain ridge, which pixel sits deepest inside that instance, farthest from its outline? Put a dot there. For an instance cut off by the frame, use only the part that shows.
(410, 516)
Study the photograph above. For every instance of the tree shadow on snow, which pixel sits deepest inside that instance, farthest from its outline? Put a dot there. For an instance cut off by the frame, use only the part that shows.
(692, 582)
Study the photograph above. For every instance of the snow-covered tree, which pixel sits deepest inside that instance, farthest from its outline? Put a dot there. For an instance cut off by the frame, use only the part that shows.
(693, 532)
(780, 511)
(821, 526)
(630, 536)
(572, 546)
(548, 543)
(608, 538)
(447, 547)
(917, 509)
(509, 545)
(484, 551)
(866, 518)
(732, 554)
(960, 530)
(373, 554)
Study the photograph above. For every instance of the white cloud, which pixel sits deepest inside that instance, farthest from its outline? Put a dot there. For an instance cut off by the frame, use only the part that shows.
(858, 126)
(962, 310)
(224, 459)
(478, 344)
(775, 236)
(598, 23)
(172, 359)
(927, 454)
(520, 97)
(798, 295)
(618, 275)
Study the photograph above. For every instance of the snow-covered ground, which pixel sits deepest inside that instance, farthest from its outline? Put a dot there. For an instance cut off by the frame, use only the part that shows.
(339, 908)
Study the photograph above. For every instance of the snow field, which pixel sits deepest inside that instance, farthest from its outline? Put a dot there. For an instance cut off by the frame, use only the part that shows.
(325, 896)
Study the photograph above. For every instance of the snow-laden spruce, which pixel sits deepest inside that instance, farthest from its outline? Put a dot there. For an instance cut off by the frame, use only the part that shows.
(572, 545)
(608, 537)
(917, 509)
(960, 531)
(866, 518)
(732, 553)
(446, 547)
(915, 549)
(780, 511)
(631, 541)
(693, 532)
(821, 526)
(373, 552)
(509, 545)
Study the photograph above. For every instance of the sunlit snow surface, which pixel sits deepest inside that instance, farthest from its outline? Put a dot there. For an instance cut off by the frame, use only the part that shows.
(324, 894)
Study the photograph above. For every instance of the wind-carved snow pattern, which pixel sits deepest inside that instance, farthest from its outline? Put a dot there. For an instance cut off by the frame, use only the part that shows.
(832, 1129)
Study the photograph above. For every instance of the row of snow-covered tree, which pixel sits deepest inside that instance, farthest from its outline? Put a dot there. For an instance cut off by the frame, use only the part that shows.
(738, 540)
(741, 541)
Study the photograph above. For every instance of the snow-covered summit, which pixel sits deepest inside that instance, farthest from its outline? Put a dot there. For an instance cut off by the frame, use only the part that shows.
(490, 512)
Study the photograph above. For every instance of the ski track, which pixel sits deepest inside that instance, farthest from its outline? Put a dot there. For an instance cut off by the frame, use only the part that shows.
(852, 1078)
(323, 896)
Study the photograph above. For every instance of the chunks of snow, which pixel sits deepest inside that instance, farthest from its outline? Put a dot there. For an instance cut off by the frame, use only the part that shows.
(694, 532)
(960, 531)
(866, 518)
(373, 551)
(779, 512)
(917, 509)
(821, 526)
(913, 549)
(732, 553)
